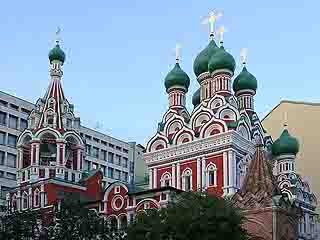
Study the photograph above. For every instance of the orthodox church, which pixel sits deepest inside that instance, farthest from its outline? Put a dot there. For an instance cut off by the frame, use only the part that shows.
(220, 147)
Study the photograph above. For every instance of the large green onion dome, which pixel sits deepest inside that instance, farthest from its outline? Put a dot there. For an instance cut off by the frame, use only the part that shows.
(221, 59)
(177, 77)
(56, 54)
(244, 81)
(196, 98)
(200, 64)
(286, 144)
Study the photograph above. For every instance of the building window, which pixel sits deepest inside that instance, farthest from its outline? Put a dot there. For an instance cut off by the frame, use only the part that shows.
(110, 172)
(94, 166)
(15, 107)
(36, 198)
(104, 143)
(186, 180)
(103, 168)
(88, 149)
(3, 103)
(2, 138)
(118, 160)
(117, 174)
(86, 165)
(23, 124)
(25, 111)
(3, 118)
(11, 160)
(104, 155)
(73, 177)
(165, 180)
(2, 155)
(118, 148)
(12, 140)
(111, 145)
(211, 175)
(95, 152)
(96, 140)
(125, 150)
(24, 201)
(110, 157)
(14, 202)
(11, 176)
(125, 176)
(13, 122)
(125, 162)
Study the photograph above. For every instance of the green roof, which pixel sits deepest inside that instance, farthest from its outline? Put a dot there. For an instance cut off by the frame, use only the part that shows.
(56, 54)
(177, 77)
(285, 144)
(196, 98)
(244, 81)
(200, 64)
(232, 124)
(221, 59)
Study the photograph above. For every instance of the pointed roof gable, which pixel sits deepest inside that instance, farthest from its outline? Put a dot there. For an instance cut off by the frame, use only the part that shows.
(259, 185)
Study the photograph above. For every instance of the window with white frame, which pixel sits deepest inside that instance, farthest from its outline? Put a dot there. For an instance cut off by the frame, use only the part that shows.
(36, 198)
(165, 180)
(187, 180)
(24, 201)
(211, 175)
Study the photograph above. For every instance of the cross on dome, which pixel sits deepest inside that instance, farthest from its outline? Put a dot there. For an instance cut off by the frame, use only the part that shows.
(211, 20)
(57, 35)
(244, 55)
(178, 52)
(221, 32)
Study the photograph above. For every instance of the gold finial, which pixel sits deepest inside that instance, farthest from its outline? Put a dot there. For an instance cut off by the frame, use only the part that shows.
(244, 55)
(221, 32)
(211, 20)
(57, 35)
(178, 52)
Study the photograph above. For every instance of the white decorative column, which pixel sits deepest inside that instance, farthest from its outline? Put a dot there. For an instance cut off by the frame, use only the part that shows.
(203, 178)
(42, 196)
(232, 171)
(63, 146)
(173, 175)
(30, 202)
(154, 178)
(37, 153)
(20, 158)
(198, 174)
(18, 200)
(32, 157)
(58, 155)
(79, 159)
(150, 179)
(178, 176)
(225, 173)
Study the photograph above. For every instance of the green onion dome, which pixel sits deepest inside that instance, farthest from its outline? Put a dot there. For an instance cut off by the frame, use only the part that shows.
(177, 77)
(56, 54)
(200, 64)
(196, 98)
(221, 59)
(244, 81)
(285, 144)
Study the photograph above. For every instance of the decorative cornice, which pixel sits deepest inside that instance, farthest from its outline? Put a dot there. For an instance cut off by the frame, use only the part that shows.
(229, 139)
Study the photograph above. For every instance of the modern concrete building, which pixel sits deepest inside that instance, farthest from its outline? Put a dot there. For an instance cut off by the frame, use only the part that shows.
(116, 158)
(302, 119)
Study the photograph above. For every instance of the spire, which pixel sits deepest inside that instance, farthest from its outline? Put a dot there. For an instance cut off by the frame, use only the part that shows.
(57, 36)
(259, 186)
(285, 120)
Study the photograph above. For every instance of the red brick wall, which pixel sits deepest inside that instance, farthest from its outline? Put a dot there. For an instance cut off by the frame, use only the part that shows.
(218, 161)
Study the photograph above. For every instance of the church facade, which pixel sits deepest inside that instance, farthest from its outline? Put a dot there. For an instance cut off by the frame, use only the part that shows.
(211, 149)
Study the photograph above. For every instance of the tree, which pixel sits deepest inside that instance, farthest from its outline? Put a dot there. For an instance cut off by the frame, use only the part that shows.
(190, 216)
(20, 225)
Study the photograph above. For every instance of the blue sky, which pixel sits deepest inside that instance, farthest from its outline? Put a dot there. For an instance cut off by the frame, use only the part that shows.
(118, 53)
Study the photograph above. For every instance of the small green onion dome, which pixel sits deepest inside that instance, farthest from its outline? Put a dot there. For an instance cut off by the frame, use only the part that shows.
(56, 54)
(285, 144)
(221, 59)
(200, 64)
(196, 98)
(177, 77)
(244, 81)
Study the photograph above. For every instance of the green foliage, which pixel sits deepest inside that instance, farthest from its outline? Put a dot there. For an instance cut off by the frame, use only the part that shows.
(16, 226)
(190, 216)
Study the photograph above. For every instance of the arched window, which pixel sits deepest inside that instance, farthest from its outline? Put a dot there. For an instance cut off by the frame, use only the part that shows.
(214, 132)
(165, 180)
(113, 222)
(123, 221)
(24, 201)
(36, 198)
(185, 140)
(187, 180)
(159, 147)
(211, 175)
